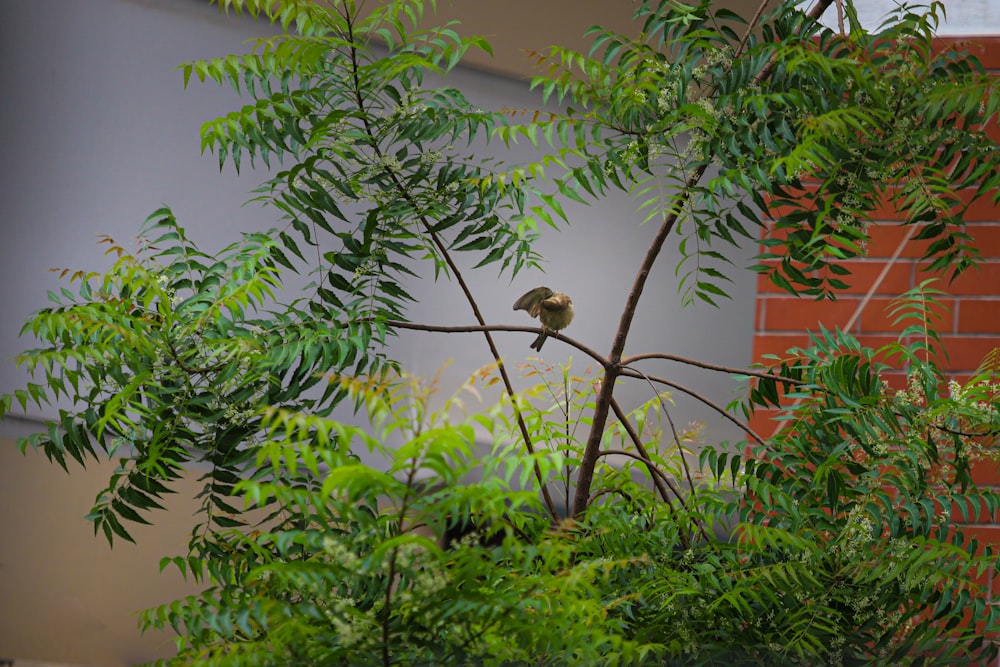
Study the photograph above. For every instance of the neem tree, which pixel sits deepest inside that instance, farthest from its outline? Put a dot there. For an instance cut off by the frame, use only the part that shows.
(838, 539)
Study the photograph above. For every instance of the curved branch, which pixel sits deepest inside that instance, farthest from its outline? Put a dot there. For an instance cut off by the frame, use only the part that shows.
(628, 372)
(660, 480)
(601, 407)
(590, 352)
(628, 361)
(673, 430)
(453, 268)
(606, 392)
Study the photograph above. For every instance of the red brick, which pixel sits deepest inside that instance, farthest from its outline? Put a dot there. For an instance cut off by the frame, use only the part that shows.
(959, 328)
(966, 353)
(863, 275)
(993, 131)
(887, 237)
(985, 535)
(981, 280)
(777, 344)
(986, 237)
(976, 514)
(979, 316)
(877, 317)
(763, 424)
(986, 473)
(961, 355)
(875, 341)
(985, 48)
(981, 209)
(896, 380)
(794, 314)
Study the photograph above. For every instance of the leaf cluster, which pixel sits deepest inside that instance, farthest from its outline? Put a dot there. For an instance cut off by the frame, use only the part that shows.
(378, 169)
(860, 502)
(167, 361)
(790, 121)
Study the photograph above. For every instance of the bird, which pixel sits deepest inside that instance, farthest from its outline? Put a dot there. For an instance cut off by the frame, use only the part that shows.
(553, 309)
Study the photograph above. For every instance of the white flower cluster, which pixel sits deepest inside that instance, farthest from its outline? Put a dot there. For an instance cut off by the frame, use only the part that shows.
(858, 533)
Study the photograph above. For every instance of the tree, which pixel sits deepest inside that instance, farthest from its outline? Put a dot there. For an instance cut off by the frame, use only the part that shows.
(830, 542)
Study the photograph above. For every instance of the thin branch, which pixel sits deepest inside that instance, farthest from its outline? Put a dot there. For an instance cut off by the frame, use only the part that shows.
(750, 28)
(453, 268)
(590, 352)
(589, 458)
(629, 372)
(390, 584)
(815, 13)
(603, 492)
(628, 361)
(638, 457)
(673, 431)
(660, 480)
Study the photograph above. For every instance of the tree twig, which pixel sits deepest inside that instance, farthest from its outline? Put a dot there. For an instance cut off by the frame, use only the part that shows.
(628, 361)
(662, 484)
(590, 352)
(660, 479)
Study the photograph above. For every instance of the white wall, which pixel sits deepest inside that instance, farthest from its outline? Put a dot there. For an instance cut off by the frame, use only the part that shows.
(963, 17)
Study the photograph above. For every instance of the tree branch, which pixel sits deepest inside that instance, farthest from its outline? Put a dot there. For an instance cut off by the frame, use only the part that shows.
(661, 484)
(628, 372)
(628, 361)
(590, 352)
(589, 459)
(660, 479)
(453, 268)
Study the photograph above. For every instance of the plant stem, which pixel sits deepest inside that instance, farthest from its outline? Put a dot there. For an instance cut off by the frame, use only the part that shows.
(628, 372)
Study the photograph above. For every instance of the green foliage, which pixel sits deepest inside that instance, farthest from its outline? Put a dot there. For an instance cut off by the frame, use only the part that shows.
(378, 176)
(361, 576)
(168, 361)
(797, 122)
(858, 505)
(839, 540)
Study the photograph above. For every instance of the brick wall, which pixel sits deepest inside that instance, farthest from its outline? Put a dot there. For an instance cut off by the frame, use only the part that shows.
(969, 329)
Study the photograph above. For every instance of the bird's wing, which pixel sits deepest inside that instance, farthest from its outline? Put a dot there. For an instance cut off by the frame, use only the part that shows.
(530, 300)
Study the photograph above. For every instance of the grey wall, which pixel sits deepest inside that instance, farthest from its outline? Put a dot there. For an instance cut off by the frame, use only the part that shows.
(97, 132)
(100, 133)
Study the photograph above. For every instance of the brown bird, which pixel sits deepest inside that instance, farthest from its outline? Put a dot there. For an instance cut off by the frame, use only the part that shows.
(553, 309)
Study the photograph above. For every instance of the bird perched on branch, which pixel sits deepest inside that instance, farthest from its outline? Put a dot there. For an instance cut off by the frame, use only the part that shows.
(553, 309)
